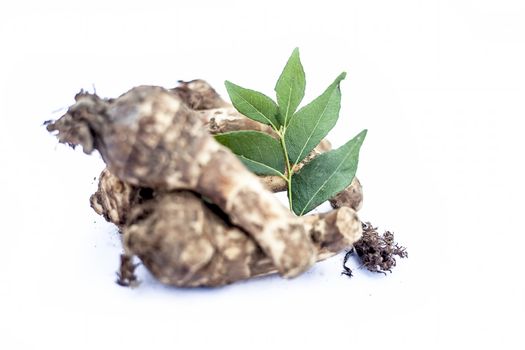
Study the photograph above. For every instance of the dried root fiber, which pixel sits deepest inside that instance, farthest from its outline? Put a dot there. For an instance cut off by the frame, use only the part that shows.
(376, 251)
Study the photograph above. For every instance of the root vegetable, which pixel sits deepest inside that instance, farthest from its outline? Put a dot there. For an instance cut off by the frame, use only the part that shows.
(186, 206)
(149, 138)
(185, 242)
(199, 95)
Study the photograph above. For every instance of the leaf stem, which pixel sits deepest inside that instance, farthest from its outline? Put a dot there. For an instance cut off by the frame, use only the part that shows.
(290, 202)
(289, 170)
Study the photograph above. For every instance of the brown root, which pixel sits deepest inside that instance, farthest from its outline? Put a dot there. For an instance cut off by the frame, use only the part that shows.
(198, 95)
(163, 170)
(126, 275)
(352, 196)
(186, 243)
(180, 220)
(114, 198)
(167, 148)
(221, 120)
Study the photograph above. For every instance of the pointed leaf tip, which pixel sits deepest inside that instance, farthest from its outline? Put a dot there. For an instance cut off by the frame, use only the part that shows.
(253, 104)
(290, 87)
(326, 175)
(313, 122)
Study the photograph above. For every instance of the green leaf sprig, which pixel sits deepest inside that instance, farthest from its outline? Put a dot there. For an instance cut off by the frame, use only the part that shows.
(298, 133)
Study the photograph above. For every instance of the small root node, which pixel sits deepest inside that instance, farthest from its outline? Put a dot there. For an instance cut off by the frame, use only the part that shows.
(126, 275)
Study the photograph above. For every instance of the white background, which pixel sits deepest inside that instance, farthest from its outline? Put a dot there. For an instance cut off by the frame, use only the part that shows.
(439, 84)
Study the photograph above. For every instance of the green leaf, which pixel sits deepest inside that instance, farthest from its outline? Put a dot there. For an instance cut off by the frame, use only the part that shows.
(313, 122)
(260, 152)
(290, 87)
(253, 104)
(326, 175)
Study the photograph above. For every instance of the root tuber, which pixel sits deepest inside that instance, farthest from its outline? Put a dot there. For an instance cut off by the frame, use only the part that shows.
(177, 220)
(197, 94)
(149, 138)
(188, 208)
(186, 243)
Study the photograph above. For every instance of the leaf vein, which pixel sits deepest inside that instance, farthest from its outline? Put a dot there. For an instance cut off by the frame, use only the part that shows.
(255, 108)
(326, 181)
(312, 132)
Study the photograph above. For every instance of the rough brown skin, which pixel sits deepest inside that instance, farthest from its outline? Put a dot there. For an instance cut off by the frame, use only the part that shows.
(195, 247)
(220, 116)
(114, 198)
(179, 220)
(126, 275)
(352, 196)
(199, 95)
(149, 138)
